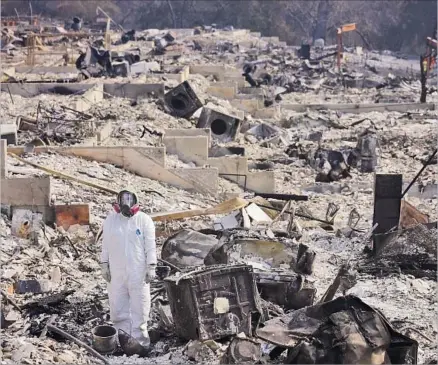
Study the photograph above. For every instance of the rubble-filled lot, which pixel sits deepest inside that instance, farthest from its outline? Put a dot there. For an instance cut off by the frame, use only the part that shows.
(273, 279)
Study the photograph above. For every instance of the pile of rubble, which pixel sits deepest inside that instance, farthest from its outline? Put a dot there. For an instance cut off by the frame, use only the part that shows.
(281, 225)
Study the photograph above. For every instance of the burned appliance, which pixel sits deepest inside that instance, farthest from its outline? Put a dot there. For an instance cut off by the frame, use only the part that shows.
(342, 331)
(387, 205)
(285, 288)
(223, 127)
(367, 145)
(182, 101)
(214, 302)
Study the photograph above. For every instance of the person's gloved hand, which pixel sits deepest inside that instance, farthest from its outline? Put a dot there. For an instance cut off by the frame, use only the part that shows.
(104, 266)
(150, 274)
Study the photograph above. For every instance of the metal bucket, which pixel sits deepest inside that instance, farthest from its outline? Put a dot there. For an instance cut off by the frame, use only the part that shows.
(104, 339)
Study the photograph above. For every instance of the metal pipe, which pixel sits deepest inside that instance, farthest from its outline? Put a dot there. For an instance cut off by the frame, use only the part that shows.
(419, 173)
(284, 196)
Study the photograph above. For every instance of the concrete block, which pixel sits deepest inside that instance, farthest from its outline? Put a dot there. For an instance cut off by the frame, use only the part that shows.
(260, 182)
(183, 32)
(194, 132)
(223, 127)
(257, 214)
(104, 132)
(205, 180)
(90, 97)
(218, 151)
(134, 91)
(235, 165)
(227, 93)
(227, 222)
(26, 191)
(179, 74)
(238, 79)
(8, 132)
(250, 97)
(34, 89)
(270, 39)
(267, 113)
(47, 211)
(206, 70)
(248, 106)
(252, 91)
(25, 223)
(238, 32)
(41, 70)
(144, 67)
(247, 44)
(182, 101)
(232, 72)
(188, 149)
(3, 154)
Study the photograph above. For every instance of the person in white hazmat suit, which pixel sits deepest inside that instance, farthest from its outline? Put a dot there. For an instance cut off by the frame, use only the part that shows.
(128, 263)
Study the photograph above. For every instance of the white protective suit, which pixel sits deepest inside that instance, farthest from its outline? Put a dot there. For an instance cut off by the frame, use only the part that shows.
(129, 248)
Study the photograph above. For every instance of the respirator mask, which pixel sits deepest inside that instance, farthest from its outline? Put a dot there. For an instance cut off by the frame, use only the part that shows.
(126, 204)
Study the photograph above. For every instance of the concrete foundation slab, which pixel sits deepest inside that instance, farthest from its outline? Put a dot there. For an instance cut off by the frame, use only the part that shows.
(41, 70)
(34, 89)
(360, 108)
(147, 162)
(134, 91)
